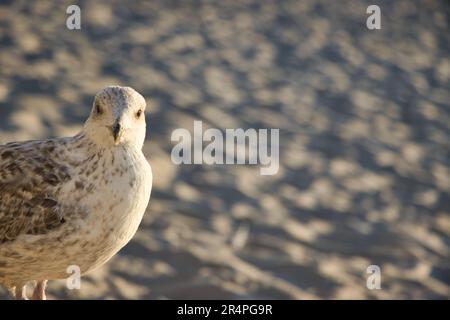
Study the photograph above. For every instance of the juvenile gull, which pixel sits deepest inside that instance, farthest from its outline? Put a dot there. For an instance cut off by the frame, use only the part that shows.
(74, 200)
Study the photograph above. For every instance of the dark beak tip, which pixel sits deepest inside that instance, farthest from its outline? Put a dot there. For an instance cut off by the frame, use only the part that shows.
(116, 130)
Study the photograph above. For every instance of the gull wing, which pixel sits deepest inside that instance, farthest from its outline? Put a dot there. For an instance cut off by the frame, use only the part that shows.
(30, 176)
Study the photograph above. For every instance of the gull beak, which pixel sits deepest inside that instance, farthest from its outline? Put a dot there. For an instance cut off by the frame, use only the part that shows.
(116, 132)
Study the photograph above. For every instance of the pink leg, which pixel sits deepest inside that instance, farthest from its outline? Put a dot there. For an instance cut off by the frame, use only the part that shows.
(39, 291)
(20, 292)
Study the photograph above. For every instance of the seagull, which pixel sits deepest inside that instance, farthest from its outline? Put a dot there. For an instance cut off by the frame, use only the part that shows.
(73, 201)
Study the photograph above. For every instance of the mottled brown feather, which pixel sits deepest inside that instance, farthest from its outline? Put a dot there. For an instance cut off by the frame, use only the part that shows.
(29, 178)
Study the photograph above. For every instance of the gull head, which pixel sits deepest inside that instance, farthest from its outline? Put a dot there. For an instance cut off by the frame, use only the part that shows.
(117, 118)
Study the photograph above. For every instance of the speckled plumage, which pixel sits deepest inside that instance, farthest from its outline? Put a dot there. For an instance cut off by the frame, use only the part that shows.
(75, 200)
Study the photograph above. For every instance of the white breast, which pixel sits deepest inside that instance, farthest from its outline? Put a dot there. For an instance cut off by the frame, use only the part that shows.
(119, 192)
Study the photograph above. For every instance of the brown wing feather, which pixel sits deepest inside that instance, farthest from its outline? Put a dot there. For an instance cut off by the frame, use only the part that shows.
(30, 178)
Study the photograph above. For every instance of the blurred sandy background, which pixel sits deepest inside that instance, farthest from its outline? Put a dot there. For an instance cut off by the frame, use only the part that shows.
(364, 120)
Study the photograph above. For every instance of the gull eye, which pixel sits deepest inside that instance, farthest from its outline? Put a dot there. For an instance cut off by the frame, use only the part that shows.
(138, 114)
(98, 109)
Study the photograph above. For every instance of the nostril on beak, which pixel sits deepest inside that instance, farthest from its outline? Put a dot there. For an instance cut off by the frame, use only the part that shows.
(116, 130)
